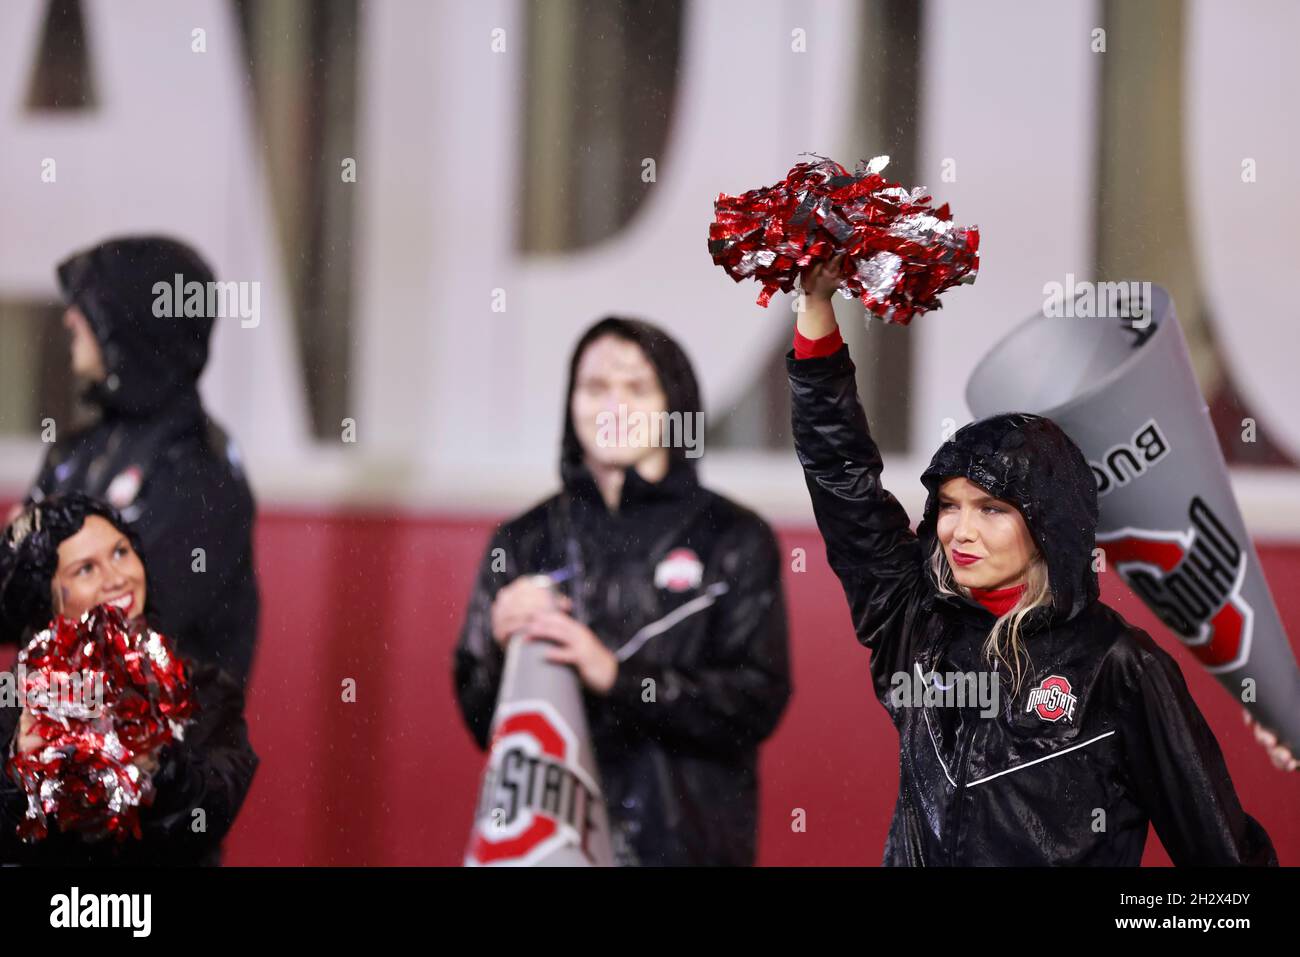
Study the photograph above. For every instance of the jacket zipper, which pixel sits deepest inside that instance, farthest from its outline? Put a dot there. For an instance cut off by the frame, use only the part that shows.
(963, 761)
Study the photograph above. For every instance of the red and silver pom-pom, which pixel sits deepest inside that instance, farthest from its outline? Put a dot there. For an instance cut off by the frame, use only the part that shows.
(900, 253)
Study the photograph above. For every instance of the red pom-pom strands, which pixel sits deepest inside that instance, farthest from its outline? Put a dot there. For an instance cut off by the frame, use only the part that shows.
(900, 254)
(133, 698)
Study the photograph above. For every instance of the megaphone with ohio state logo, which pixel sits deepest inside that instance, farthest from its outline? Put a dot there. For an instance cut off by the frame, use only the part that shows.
(540, 802)
(1122, 387)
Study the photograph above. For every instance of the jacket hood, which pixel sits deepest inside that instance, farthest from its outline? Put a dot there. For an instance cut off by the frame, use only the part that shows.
(150, 359)
(1028, 460)
(676, 376)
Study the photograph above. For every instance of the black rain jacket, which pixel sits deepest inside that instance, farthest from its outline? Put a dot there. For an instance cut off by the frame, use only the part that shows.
(685, 586)
(1070, 775)
(679, 773)
(211, 769)
(156, 455)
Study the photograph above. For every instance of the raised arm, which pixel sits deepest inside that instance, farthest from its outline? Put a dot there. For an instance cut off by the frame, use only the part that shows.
(869, 541)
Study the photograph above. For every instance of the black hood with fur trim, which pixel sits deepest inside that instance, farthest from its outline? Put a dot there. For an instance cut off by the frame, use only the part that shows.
(1028, 460)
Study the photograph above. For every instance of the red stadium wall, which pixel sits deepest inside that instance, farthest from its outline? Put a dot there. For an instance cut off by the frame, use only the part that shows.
(391, 778)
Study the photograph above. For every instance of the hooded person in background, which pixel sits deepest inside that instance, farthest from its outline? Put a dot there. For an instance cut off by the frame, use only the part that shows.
(153, 452)
(66, 556)
(668, 583)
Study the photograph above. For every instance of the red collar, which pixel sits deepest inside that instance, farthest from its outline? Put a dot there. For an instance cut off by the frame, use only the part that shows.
(998, 600)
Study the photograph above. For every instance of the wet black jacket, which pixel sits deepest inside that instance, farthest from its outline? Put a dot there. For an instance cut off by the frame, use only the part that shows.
(679, 773)
(211, 769)
(1069, 776)
(155, 454)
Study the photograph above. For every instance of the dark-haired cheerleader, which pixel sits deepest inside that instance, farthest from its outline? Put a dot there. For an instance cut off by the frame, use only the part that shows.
(66, 556)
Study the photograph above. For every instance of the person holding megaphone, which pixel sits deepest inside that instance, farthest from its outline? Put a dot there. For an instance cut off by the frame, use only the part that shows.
(1092, 733)
(667, 606)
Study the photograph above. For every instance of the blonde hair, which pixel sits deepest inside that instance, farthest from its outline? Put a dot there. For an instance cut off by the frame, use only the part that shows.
(1004, 642)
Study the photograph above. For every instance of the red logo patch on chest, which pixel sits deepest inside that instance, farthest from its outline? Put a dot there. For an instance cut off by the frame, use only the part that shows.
(125, 486)
(1052, 699)
(680, 570)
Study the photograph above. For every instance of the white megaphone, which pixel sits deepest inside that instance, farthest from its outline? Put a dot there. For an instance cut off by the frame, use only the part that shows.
(1123, 389)
(540, 803)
